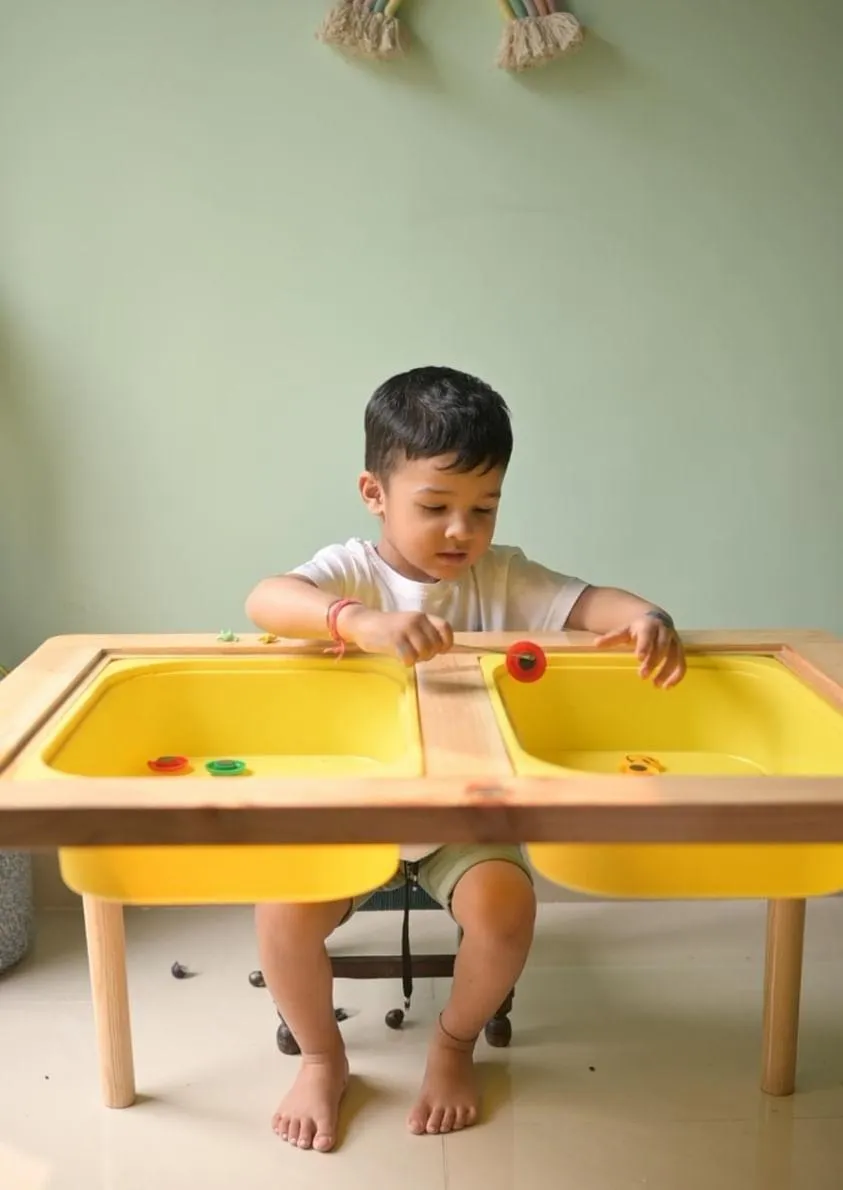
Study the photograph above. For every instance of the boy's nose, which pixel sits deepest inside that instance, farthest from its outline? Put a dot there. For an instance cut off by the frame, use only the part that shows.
(458, 532)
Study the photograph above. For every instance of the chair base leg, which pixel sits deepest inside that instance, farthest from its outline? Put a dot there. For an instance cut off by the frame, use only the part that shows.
(498, 1031)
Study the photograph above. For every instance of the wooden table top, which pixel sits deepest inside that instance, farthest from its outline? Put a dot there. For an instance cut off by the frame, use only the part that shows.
(468, 793)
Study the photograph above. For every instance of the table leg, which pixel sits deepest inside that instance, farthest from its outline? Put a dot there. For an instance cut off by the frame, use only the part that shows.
(105, 931)
(782, 988)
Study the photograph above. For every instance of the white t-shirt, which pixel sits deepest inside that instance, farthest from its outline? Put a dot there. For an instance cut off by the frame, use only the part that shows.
(504, 591)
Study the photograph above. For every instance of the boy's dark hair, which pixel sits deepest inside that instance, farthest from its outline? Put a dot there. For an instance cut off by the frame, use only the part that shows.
(428, 412)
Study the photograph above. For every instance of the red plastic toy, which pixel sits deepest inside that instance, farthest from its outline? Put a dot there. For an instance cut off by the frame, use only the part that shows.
(169, 764)
(525, 661)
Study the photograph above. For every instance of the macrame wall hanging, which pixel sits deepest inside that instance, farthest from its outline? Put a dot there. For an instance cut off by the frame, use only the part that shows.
(535, 31)
(367, 27)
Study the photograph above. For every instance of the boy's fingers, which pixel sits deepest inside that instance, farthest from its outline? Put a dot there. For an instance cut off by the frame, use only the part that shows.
(677, 672)
(406, 652)
(434, 639)
(671, 666)
(652, 648)
(433, 628)
(647, 644)
(444, 631)
(424, 641)
(620, 636)
(666, 667)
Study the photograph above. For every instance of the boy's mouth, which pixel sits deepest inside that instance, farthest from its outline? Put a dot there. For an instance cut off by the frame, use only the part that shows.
(453, 555)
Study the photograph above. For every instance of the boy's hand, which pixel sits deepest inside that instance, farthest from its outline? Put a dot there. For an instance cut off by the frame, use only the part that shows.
(409, 636)
(657, 647)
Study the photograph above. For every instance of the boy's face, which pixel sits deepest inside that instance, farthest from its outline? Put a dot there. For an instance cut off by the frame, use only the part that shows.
(436, 522)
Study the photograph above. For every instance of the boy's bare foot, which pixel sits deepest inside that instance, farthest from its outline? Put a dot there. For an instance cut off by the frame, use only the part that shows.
(449, 1098)
(307, 1116)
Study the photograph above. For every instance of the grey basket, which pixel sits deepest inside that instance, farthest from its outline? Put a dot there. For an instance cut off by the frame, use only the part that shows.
(17, 915)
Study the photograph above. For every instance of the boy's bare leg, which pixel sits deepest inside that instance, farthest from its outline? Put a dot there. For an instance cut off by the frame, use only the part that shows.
(495, 906)
(297, 969)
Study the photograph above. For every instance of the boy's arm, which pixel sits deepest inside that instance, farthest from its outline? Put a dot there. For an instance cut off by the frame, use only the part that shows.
(292, 606)
(620, 618)
(604, 609)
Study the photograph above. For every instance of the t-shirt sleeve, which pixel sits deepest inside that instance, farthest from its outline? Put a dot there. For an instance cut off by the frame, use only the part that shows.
(536, 597)
(332, 569)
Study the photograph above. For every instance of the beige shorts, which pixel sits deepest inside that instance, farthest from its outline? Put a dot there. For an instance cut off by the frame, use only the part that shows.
(440, 872)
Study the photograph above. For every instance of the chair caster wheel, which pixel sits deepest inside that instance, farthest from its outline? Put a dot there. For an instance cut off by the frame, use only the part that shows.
(498, 1032)
(286, 1041)
(394, 1018)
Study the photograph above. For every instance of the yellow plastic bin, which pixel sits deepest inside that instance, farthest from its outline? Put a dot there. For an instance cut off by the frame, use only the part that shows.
(229, 718)
(733, 714)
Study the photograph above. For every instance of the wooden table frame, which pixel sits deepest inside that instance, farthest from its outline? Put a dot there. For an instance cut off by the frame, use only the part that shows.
(468, 793)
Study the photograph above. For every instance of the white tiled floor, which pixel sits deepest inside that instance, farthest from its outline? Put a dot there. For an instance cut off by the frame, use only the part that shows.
(634, 1062)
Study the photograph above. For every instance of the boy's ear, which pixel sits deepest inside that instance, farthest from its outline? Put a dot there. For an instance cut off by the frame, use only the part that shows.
(371, 489)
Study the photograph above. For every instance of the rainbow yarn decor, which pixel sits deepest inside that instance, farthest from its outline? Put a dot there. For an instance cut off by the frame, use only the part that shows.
(366, 27)
(535, 33)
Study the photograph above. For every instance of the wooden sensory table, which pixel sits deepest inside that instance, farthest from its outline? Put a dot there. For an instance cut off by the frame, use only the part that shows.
(740, 795)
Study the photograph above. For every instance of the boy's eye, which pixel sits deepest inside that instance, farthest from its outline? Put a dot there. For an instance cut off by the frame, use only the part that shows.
(435, 509)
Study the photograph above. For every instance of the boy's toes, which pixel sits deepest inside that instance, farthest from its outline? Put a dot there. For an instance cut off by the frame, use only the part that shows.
(417, 1120)
(459, 1119)
(323, 1141)
(307, 1117)
(307, 1131)
(434, 1123)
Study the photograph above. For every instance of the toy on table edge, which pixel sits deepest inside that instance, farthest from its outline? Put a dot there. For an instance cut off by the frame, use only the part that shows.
(525, 661)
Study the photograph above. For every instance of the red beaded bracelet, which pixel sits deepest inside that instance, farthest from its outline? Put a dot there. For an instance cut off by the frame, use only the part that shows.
(332, 616)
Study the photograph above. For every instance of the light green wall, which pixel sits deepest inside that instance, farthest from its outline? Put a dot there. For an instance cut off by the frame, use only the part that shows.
(216, 237)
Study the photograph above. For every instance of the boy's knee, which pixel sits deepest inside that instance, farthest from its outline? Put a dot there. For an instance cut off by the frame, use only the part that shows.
(496, 899)
(295, 925)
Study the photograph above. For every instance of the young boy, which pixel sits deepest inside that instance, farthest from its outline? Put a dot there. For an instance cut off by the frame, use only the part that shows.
(438, 443)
